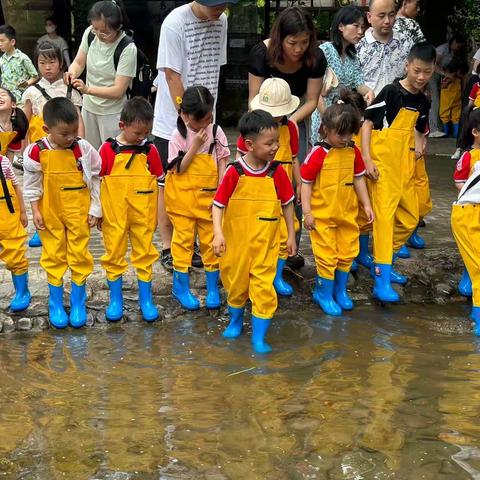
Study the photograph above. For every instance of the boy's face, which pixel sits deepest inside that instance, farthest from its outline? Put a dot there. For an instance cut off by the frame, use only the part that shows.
(6, 45)
(419, 73)
(62, 134)
(265, 145)
(136, 132)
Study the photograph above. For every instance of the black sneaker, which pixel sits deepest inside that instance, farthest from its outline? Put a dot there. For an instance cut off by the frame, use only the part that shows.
(18, 162)
(166, 260)
(296, 262)
(196, 257)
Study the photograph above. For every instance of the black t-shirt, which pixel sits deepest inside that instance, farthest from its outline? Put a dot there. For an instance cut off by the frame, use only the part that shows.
(258, 66)
(390, 100)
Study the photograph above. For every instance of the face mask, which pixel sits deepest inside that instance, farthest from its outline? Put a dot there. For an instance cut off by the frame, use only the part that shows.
(50, 29)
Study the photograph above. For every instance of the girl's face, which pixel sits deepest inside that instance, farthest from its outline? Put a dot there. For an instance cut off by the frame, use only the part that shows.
(476, 137)
(353, 32)
(103, 32)
(195, 124)
(6, 102)
(295, 46)
(336, 140)
(49, 68)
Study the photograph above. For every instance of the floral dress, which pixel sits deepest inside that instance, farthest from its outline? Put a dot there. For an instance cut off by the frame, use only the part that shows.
(349, 75)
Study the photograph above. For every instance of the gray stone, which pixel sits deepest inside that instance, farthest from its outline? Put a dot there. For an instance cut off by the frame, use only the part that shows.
(40, 323)
(24, 324)
(8, 325)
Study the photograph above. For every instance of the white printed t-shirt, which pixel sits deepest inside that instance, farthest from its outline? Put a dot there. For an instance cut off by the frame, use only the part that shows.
(194, 48)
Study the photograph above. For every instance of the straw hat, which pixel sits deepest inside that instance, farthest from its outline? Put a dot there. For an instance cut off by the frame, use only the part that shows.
(275, 98)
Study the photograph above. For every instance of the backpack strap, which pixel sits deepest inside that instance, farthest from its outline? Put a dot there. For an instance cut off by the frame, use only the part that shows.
(6, 192)
(214, 134)
(122, 44)
(237, 167)
(43, 91)
(90, 38)
(272, 169)
(41, 145)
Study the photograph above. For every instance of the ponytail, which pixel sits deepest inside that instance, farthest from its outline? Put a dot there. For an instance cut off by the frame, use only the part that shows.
(196, 101)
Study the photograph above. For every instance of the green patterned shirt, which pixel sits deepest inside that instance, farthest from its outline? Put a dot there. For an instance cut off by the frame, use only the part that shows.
(14, 69)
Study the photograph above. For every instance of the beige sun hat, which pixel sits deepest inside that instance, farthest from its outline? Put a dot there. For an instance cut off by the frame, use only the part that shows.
(275, 98)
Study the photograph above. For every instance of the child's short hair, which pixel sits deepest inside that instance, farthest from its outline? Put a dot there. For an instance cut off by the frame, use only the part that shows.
(342, 118)
(48, 50)
(251, 124)
(52, 19)
(8, 31)
(137, 109)
(423, 51)
(59, 110)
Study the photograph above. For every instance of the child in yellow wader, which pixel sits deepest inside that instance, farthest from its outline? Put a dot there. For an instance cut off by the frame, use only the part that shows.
(13, 220)
(62, 183)
(198, 154)
(397, 119)
(332, 179)
(465, 168)
(451, 99)
(247, 212)
(131, 170)
(275, 98)
(49, 61)
(13, 125)
(474, 97)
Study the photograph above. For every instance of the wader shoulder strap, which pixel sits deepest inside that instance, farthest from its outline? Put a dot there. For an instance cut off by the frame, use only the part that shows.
(41, 145)
(237, 167)
(214, 133)
(6, 193)
(134, 149)
(472, 184)
(177, 161)
(272, 168)
(43, 91)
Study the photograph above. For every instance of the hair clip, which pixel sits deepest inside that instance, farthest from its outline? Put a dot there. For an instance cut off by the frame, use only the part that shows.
(340, 101)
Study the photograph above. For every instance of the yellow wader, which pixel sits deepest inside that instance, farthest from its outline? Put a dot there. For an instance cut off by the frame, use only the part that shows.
(476, 102)
(363, 221)
(251, 228)
(188, 202)
(129, 204)
(335, 209)
(64, 206)
(474, 158)
(394, 196)
(35, 129)
(451, 102)
(422, 186)
(284, 156)
(12, 233)
(5, 139)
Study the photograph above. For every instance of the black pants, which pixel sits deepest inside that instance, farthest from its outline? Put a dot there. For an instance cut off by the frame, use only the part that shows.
(162, 147)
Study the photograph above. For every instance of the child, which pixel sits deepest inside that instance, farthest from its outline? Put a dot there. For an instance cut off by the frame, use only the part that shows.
(131, 168)
(332, 178)
(275, 98)
(54, 39)
(13, 220)
(49, 62)
(197, 156)
(253, 193)
(451, 98)
(13, 125)
(390, 164)
(62, 183)
(474, 97)
(16, 69)
(465, 168)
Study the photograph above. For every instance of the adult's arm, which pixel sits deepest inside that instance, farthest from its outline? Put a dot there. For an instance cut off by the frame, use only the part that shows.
(314, 87)
(77, 66)
(115, 92)
(175, 85)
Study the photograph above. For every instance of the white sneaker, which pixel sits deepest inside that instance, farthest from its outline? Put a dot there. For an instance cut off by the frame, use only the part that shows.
(436, 134)
(458, 153)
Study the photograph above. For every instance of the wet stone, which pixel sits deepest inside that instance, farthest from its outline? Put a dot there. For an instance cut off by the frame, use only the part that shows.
(24, 324)
(8, 325)
(40, 323)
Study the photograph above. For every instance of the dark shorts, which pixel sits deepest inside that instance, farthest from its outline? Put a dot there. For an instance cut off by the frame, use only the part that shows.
(162, 147)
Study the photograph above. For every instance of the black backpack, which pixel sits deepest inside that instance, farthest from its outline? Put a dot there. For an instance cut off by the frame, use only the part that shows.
(144, 76)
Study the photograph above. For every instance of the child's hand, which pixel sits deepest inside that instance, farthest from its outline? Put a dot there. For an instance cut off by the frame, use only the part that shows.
(200, 138)
(298, 194)
(219, 245)
(92, 221)
(22, 84)
(369, 212)
(291, 246)
(24, 218)
(309, 222)
(38, 220)
(371, 170)
(99, 224)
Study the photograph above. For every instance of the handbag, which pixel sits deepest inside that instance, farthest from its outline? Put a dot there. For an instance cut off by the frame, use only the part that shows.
(330, 81)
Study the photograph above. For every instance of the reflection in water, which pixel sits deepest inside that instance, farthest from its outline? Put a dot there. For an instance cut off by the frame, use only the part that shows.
(374, 395)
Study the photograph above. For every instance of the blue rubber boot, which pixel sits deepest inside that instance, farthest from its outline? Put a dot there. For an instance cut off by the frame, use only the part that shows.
(35, 240)
(475, 316)
(340, 290)
(114, 310)
(382, 287)
(396, 277)
(281, 286)
(181, 291)
(364, 258)
(455, 128)
(259, 330)
(404, 252)
(213, 295)
(57, 315)
(323, 296)
(416, 241)
(235, 326)
(22, 297)
(446, 129)
(465, 284)
(145, 300)
(354, 266)
(78, 311)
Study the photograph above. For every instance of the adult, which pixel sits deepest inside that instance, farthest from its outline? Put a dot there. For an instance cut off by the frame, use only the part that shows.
(191, 50)
(383, 51)
(52, 37)
(406, 23)
(346, 31)
(105, 89)
(454, 49)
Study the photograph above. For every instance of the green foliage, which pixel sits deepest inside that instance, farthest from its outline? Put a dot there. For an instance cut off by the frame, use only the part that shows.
(466, 18)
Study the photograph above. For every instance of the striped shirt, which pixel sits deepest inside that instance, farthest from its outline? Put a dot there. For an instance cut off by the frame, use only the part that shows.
(8, 171)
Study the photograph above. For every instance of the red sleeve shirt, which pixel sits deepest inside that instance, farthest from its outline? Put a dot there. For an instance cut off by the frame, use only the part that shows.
(314, 163)
(283, 186)
(474, 92)
(108, 159)
(462, 170)
(34, 153)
